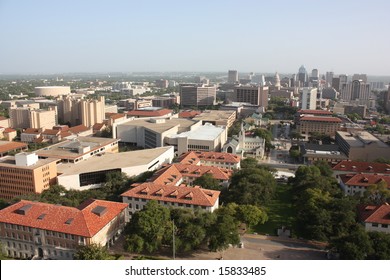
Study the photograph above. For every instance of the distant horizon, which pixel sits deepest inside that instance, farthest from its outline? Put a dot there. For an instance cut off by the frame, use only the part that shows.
(52, 36)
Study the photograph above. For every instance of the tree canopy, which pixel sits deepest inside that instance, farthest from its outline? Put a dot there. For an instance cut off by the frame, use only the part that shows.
(92, 252)
(253, 186)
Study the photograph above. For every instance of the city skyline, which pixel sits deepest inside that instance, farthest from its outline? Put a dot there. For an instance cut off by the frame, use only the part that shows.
(121, 36)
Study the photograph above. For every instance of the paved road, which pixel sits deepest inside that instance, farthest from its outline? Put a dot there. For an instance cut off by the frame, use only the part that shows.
(260, 247)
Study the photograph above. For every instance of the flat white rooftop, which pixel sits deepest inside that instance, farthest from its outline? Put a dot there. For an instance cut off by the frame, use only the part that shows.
(205, 132)
(113, 161)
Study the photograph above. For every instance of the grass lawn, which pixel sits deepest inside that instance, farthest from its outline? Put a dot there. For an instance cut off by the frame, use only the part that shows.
(280, 212)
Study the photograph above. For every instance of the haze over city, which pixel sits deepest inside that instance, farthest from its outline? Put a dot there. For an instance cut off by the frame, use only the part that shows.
(260, 36)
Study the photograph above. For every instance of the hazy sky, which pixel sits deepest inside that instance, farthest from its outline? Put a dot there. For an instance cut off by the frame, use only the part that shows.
(51, 36)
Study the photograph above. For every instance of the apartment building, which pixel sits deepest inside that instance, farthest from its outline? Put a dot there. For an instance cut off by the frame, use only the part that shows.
(24, 174)
(255, 95)
(321, 125)
(35, 230)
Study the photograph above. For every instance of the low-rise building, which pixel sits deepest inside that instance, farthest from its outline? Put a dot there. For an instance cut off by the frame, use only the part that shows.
(170, 196)
(150, 112)
(203, 138)
(351, 166)
(25, 174)
(361, 146)
(375, 217)
(357, 184)
(92, 172)
(79, 149)
(7, 147)
(223, 160)
(330, 153)
(8, 133)
(35, 230)
(216, 117)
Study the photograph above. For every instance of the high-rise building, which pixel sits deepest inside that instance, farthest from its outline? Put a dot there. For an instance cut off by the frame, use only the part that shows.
(308, 98)
(336, 83)
(362, 77)
(26, 117)
(355, 90)
(302, 76)
(42, 119)
(387, 100)
(277, 80)
(232, 76)
(328, 79)
(315, 74)
(76, 111)
(256, 95)
(343, 79)
(194, 95)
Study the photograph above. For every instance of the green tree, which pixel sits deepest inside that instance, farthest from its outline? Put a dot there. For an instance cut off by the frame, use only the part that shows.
(249, 163)
(151, 224)
(380, 242)
(354, 246)
(92, 252)
(207, 181)
(254, 186)
(116, 183)
(376, 194)
(251, 215)
(224, 232)
(266, 135)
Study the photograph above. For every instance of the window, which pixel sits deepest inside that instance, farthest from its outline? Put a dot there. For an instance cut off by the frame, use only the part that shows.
(385, 226)
(375, 225)
(137, 207)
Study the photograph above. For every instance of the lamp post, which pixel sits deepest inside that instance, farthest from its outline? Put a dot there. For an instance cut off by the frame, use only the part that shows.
(173, 238)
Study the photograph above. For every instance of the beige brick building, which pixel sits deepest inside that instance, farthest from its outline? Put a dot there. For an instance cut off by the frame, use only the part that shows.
(24, 173)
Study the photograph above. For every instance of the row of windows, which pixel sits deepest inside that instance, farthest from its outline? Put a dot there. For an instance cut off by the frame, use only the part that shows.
(198, 147)
(166, 203)
(18, 236)
(382, 225)
(17, 227)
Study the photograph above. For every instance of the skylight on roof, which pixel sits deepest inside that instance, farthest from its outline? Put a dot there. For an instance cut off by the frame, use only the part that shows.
(41, 217)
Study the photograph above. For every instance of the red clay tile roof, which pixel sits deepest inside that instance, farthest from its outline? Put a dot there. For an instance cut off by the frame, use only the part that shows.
(315, 112)
(61, 127)
(168, 175)
(8, 130)
(379, 214)
(194, 157)
(6, 146)
(218, 157)
(188, 170)
(178, 194)
(117, 116)
(146, 113)
(97, 126)
(362, 167)
(51, 132)
(78, 128)
(364, 180)
(85, 222)
(189, 158)
(189, 114)
(2, 118)
(65, 134)
(32, 131)
(320, 119)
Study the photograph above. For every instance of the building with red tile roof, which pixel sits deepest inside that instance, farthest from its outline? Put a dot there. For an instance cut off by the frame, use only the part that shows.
(33, 229)
(192, 172)
(10, 146)
(352, 166)
(150, 113)
(315, 112)
(189, 114)
(80, 130)
(218, 159)
(353, 184)
(318, 124)
(375, 217)
(171, 196)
